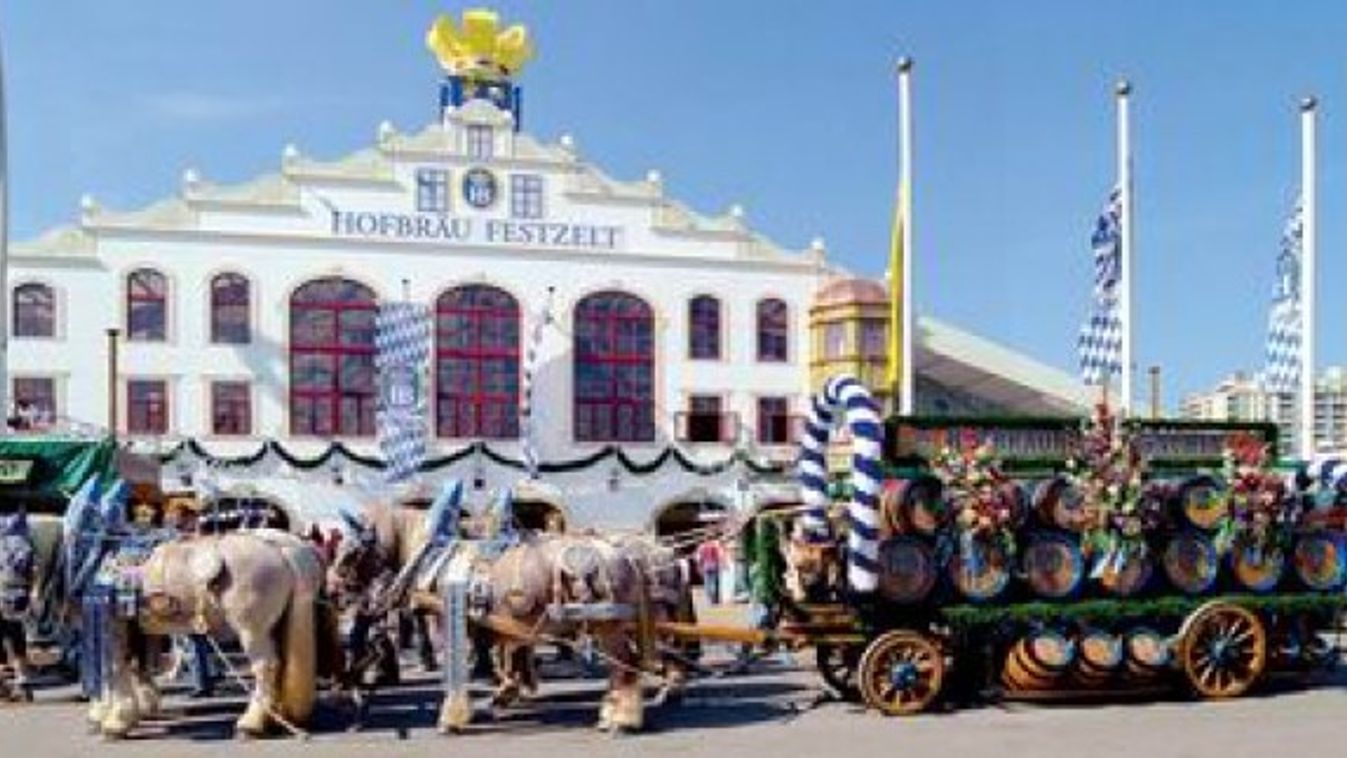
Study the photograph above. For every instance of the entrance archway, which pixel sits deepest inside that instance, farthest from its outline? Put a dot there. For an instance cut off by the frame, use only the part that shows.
(539, 516)
(688, 517)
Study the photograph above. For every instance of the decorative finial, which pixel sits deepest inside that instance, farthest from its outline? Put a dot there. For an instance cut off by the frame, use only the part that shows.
(387, 131)
(737, 212)
(1123, 88)
(567, 142)
(653, 176)
(190, 178)
(904, 64)
(290, 153)
(1309, 103)
(479, 49)
(818, 244)
(88, 206)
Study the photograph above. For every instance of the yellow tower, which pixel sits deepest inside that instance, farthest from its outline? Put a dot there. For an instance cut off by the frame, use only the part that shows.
(848, 334)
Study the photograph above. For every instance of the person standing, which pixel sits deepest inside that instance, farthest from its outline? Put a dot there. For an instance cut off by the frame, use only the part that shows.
(709, 556)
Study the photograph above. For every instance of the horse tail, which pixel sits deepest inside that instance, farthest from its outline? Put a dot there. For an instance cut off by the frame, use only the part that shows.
(299, 637)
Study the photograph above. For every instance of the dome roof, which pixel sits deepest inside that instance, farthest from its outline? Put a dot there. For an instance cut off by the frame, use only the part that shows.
(851, 291)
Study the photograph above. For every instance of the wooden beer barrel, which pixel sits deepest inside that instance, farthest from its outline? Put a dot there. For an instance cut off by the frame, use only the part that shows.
(920, 506)
(1037, 661)
(1053, 565)
(1131, 577)
(1319, 560)
(907, 570)
(1017, 502)
(1059, 504)
(979, 570)
(1148, 653)
(1191, 562)
(1099, 656)
(1257, 570)
(1203, 502)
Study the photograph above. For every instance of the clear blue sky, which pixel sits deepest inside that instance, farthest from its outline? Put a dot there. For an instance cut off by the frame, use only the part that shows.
(788, 108)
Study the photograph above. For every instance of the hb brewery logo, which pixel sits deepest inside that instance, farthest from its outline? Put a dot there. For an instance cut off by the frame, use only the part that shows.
(479, 188)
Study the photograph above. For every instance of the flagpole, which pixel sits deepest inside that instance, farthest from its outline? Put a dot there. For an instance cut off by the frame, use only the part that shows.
(4, 252)
(907, 386)
(1124, 91)
(1309, 242)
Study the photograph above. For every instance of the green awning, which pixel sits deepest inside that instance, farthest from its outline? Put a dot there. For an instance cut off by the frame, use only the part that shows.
(35, 471)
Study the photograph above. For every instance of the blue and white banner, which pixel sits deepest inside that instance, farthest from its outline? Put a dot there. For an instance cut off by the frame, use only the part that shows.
(1101, 338)
(1282, 371)
(402, 345)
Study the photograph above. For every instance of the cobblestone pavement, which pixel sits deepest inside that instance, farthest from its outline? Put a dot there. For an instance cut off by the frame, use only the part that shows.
(776, 711)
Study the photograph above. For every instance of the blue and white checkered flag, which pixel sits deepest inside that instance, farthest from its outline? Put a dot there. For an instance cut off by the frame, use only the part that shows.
(1282, 372)
(402, 349)
(1100, 342)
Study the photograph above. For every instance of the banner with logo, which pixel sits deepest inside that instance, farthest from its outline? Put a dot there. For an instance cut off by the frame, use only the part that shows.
(402, 344)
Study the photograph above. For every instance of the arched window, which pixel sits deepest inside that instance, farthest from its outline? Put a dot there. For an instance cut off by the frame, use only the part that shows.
(614, 369)
(704, 328)
(332, 389)
(34, 310)
(476, 363)
(773, 330)
(229, 309)
(146, 306)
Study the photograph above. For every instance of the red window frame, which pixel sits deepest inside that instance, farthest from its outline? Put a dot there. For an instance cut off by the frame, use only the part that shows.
(231, 408)
(146, 306)
(477, 363)
(704, 328)
(319, 410)
(39, 394)
(773, 417)
(773, 331)
(34, 309)
(230, 317)
(614, 369)
(147, 406)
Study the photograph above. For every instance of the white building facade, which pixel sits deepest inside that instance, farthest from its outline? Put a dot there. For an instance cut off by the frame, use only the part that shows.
(246, 312)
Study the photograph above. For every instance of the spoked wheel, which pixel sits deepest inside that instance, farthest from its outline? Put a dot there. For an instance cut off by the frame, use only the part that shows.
(837, 665)
(901, 673)
(1223, 650)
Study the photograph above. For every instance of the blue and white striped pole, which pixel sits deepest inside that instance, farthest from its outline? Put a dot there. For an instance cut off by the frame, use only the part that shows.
(847, 397)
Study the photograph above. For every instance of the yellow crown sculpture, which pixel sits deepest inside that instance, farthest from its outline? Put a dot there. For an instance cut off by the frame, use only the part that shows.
(479, 49)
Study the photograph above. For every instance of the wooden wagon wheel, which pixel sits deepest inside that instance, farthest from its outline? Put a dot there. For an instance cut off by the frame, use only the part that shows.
(1222, 649)
(901, 673)
(837, 665)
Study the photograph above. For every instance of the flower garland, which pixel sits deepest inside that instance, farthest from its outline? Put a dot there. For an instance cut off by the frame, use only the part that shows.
(976, 491)
(1121, 510)
(1261, 516)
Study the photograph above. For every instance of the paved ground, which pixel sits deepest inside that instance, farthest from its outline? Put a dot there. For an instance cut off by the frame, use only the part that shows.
(775, 712)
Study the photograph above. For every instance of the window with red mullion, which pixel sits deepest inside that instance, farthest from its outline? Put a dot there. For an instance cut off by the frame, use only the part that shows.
(231, 408)
(773, 330)
(146, 305)
(229, 303)
(704, 328)
(146, 406)
(477, 312)
(319, 410)
(622, 410)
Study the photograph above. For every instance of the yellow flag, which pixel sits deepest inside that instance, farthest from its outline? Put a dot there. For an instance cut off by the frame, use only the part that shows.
(896, 285)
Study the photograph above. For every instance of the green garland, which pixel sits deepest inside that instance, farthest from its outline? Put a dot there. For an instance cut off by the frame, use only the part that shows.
(965, 617)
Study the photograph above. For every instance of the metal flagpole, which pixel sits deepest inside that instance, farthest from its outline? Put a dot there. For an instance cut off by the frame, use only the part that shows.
(1309, 240)
(1124, 91)
(905, 394)
(4, 249)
